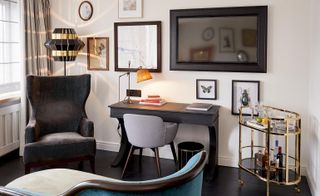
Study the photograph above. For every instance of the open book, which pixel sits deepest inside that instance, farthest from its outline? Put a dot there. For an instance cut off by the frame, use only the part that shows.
(199, 106)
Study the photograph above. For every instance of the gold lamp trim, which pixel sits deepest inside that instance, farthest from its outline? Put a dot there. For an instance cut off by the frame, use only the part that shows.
(143, 75)
(64, 36)
(55, 53)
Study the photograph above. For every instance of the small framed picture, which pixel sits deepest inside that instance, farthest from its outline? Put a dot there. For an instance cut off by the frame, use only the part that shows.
(98, 53)
(130, 8)
(249, 37)
(226, 40)
(206, 89)
(245, 93)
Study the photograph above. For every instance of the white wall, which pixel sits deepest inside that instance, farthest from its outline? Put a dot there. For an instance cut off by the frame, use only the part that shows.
(314, 105)
(285, 85)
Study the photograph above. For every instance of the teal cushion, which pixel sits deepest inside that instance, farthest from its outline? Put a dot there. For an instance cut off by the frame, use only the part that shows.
(191, 188)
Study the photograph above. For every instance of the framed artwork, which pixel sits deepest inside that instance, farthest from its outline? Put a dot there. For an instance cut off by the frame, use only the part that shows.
(249, 37)
(130, 8)
(208, 34)
(85, 10)
(201, 54)
(98, 53)
(226, 40)
(206, 89)
(137, 44)
(245, 93)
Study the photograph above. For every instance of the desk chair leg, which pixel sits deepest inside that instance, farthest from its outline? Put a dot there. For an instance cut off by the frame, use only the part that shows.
(140, 155)
(174, 152)
(125, 166)
(157, 161)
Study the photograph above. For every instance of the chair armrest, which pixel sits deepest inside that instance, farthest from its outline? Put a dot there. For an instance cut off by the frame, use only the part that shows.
(86, 128)
(30, 134)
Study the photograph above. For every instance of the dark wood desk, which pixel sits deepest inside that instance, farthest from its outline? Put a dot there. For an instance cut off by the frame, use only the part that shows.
(170, 112)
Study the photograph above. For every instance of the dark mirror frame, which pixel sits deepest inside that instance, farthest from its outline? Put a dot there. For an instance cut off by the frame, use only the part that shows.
(144, 23)
(262, 16)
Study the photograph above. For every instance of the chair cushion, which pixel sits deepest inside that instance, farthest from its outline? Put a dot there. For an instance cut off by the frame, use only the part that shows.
(57, 146)
(52, 181)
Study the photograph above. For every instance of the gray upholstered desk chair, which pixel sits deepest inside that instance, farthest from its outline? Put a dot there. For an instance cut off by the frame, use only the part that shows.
(146, 131)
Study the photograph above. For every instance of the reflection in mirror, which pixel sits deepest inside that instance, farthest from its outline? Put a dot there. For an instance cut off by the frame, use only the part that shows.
(217, 39)
(137, 44)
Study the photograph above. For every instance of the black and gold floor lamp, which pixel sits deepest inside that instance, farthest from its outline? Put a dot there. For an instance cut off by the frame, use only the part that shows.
(64, 45)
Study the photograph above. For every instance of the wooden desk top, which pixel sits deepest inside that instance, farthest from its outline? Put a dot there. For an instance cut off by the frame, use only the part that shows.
(171, 112)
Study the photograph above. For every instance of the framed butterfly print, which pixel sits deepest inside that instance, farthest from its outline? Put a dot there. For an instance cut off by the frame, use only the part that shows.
(206, 89)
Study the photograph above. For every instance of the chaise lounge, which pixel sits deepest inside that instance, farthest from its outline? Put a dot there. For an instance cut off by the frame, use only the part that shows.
(67, 182)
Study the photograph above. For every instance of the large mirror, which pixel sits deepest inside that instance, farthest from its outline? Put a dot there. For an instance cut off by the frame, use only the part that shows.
(137, 44)
(219, 39)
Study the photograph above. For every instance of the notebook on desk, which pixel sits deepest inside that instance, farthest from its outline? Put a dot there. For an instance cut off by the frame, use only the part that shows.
(199, 106)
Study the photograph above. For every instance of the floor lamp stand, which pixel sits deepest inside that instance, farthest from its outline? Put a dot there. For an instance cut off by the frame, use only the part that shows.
(65, 68)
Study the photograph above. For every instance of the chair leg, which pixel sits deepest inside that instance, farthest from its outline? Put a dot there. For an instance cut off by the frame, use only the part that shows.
(157, 161)
(93, 164)
(173, 152)
(27, 169)
(125, 166)
(80, 166)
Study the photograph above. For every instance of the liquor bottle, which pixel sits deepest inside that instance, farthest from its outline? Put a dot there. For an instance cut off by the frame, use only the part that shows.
(265, 163)
(275, 150)
(258, 162)
(280, 169)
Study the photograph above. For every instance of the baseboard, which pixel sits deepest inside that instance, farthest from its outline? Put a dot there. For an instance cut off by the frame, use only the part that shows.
(108, 146)
(227, 161)
(165, 153)
(311, 182)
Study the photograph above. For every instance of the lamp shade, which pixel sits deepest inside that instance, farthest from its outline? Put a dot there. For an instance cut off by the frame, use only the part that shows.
(64, 44)
(143, 75)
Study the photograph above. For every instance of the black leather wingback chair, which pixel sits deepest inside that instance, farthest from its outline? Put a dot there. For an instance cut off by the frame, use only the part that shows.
(58, 130)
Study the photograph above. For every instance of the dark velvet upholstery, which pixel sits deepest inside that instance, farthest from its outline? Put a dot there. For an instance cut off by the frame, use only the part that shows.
(58, 129)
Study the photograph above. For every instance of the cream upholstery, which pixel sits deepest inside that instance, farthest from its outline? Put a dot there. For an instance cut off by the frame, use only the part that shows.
(53, 181)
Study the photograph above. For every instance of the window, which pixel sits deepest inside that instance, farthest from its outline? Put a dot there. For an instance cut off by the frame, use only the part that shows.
(10, 52)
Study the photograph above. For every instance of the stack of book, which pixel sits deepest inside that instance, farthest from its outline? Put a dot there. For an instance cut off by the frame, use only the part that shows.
(152, 100)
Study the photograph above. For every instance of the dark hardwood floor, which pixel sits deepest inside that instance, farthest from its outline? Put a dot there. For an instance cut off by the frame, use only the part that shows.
(225, 183)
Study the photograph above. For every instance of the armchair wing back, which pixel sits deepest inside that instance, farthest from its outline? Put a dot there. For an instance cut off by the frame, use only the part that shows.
(58, 129)
(58, 103)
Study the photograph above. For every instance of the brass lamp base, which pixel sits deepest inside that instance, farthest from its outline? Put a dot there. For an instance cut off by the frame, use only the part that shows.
(128, 101)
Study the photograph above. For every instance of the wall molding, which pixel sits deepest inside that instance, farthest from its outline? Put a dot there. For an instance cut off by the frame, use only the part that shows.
(311, 182)
(165, 152)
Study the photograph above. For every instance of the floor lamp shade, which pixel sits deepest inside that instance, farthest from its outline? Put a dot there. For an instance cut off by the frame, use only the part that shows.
(64, 44)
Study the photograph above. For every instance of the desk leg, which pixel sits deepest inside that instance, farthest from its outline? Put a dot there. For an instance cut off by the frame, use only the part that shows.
(124, 146)
(211, 170)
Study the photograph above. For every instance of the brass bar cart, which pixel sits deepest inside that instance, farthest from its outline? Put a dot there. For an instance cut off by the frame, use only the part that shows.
(282, 124)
